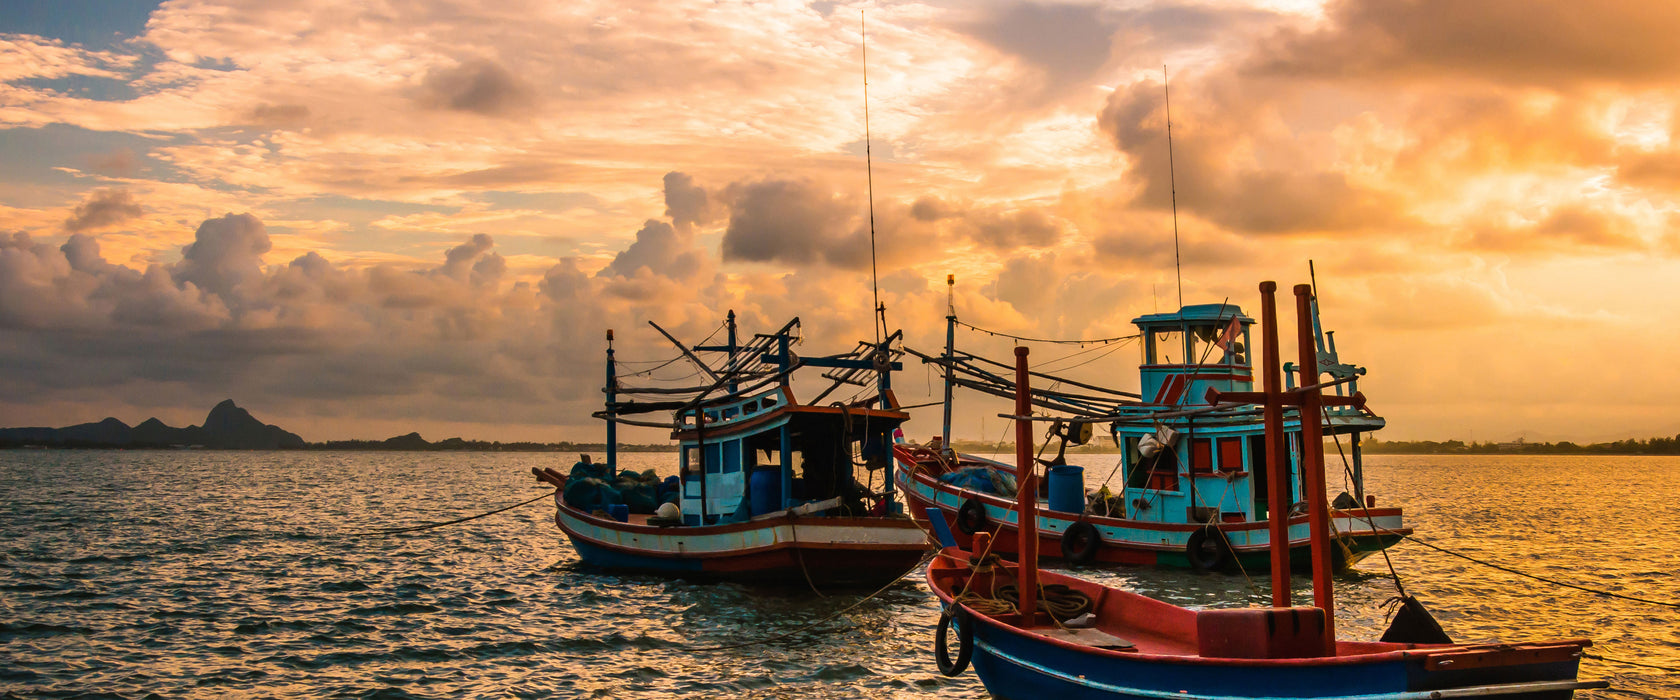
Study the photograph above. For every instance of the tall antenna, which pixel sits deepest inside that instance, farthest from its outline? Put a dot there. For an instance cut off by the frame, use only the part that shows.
(879, 311)
(1172, 181)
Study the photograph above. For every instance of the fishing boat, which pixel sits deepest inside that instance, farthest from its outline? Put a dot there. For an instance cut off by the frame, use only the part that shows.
(1195, 489)
(771, 489)
(1078, 639)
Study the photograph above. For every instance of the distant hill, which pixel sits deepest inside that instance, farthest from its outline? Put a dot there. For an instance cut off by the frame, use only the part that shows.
(228, 427)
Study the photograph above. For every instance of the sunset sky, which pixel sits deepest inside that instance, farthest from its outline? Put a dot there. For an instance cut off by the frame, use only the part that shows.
(358, 219)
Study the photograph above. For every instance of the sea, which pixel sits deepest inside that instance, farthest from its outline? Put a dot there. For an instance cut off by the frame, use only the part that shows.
(203, 574)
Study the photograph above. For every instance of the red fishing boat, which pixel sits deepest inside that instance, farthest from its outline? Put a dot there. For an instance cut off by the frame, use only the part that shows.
(1078, 639)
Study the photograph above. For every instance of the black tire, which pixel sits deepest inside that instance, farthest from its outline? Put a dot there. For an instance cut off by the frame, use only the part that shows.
(971, 517)
(965, 642)
(1080, 543)
(1208, 550)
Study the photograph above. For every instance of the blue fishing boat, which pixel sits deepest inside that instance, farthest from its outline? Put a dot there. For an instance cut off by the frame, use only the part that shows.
(1033, 634)
(771, 489)
(1195, 489)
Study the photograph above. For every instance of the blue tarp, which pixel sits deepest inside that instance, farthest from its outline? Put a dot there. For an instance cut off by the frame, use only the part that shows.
(983, 479)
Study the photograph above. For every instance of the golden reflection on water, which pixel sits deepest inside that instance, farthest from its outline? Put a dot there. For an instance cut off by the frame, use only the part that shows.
(241, 573)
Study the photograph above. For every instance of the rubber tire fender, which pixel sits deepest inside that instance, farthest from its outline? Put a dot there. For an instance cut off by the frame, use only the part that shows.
(971, 517)
(965, 641)
(1221, 556)
(1080, 543)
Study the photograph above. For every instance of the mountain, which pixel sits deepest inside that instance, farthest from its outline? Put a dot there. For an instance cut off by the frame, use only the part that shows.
(228, 427)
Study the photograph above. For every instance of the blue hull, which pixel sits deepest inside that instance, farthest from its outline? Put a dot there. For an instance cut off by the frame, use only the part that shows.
(1017, 667)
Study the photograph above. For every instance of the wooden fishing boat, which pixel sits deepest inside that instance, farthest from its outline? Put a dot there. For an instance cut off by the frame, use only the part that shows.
(1082, 640)
(1195, 489)
(770, 488)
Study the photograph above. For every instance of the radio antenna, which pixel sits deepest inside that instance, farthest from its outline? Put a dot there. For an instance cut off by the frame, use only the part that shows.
(1172, 182)
(879, 312)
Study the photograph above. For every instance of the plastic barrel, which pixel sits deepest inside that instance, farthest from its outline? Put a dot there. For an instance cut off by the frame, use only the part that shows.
(619, 512)
(1067, 489)
(766, 490)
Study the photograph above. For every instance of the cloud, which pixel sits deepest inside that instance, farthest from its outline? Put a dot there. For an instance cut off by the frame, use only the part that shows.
(225, 254)
(658, 249)
(103, 208)
(1552, 43)
(686, 203)
(791, 220)
(1290, 190)
(479, 86)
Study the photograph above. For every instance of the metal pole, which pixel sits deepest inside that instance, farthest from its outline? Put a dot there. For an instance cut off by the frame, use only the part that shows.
(1277, 455)
(950, 354)
(612, 397)
(733, 385)
(1026, 494)
(787, 428)
(1312, 464)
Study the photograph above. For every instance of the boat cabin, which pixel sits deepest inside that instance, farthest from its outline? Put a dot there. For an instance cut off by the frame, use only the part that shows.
(767, 453)
(1187, 352)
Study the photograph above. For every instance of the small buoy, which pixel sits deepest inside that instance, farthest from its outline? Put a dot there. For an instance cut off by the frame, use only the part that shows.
(668, 511)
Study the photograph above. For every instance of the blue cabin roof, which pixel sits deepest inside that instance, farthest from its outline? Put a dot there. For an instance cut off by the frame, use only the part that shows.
(1194, 313)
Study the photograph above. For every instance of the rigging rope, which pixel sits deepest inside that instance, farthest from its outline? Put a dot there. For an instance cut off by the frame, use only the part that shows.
(1053, 341)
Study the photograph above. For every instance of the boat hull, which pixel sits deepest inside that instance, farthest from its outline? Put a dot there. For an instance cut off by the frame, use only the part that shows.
(825, 552)
(1023, 664)
(1358, 533)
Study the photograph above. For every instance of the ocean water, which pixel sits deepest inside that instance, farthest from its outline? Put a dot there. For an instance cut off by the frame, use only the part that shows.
(235, 574)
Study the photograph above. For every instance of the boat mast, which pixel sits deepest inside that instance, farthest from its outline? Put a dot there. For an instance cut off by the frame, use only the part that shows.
(1026, 493)
(1277, 455)
(1312, 463)
(733, 385)
(612, 397)
(950, 355)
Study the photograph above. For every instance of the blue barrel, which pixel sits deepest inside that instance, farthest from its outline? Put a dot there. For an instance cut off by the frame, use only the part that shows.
(1067, 489)
(766, 488)
(619, 512)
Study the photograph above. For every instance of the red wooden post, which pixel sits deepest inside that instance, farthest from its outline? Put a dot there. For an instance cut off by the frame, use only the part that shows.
(1312, 465)
(1277, 454)
(1026, 494)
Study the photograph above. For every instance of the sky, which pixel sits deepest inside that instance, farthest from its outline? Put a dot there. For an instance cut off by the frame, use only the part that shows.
(358, 219)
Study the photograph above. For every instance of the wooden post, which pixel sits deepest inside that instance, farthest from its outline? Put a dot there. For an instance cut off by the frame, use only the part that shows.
(1312, 465)
(1026, 494)
(1277, 450)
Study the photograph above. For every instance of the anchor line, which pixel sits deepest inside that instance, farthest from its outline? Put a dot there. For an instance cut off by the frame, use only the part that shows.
(814, 623)
(429, 526)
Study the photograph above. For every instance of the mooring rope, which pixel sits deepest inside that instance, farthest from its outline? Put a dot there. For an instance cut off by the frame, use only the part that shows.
(1506, 569)
(428, 526)
(806, 627)
(1612, 659)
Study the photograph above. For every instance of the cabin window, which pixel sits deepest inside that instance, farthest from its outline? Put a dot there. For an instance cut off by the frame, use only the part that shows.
(1166, 347)
(1201, 456)
(731, 412)
(714, 462)
(691, 460)
(1202, 349)
(732, 456)
(749, 407)
(769, 401)
(1230, 454)
(1158, 472)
